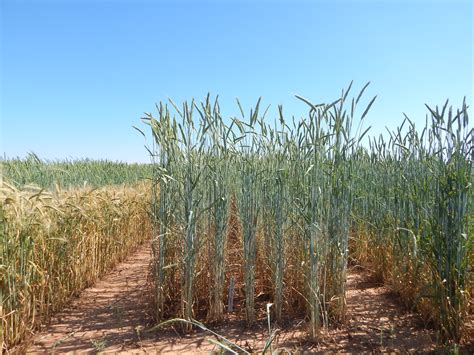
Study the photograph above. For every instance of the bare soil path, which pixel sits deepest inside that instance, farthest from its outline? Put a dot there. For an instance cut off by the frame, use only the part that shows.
(103, 317)
(113, 317)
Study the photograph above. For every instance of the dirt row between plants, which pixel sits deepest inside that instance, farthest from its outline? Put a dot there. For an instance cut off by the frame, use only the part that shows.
(113, 317)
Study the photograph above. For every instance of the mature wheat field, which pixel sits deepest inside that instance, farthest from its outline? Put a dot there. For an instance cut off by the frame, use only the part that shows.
(55, 242)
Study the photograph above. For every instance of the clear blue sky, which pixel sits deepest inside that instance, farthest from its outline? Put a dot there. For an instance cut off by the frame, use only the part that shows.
(76, 75)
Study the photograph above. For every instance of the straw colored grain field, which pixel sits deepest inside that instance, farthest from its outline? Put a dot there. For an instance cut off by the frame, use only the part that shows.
(56, 243)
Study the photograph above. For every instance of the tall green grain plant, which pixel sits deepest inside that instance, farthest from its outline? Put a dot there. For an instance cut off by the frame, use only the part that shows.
(331, 146)
(308, 192)
(273, 198)
(163, 154)
(343, 143)
(279, 204)
(248, 165)
(453, 203)
(218, 158)
(417, 205)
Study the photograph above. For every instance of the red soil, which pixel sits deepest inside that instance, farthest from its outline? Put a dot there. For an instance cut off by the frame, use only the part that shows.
(113, 317)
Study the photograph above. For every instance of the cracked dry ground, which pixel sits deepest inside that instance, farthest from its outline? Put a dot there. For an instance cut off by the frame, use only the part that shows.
(112, 317)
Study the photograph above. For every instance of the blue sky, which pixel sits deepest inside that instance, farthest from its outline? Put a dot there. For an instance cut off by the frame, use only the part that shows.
(76, 75)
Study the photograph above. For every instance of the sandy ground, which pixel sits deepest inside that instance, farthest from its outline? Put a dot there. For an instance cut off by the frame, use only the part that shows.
(103, 317)
(112, 317)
